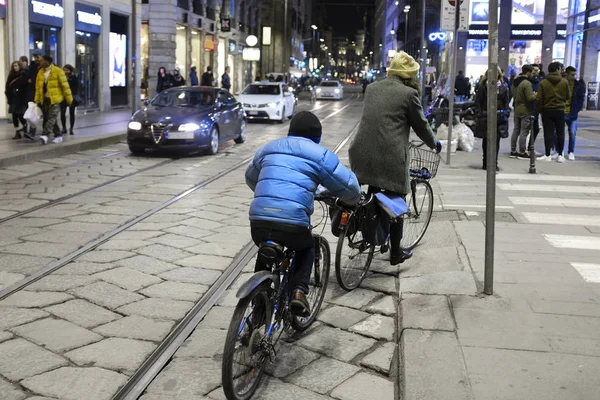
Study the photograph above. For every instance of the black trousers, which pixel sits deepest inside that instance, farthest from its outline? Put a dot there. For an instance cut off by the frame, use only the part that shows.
(299, 239)
(19, 117)
(484, 148)
(396, 227)
(63, 115)
(554, 130)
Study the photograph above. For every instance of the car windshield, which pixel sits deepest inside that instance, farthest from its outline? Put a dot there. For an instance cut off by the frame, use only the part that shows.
(262, 89)
(185, 98)
(329, 84)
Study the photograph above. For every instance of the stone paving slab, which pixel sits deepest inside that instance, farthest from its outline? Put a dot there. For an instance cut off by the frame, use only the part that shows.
(376, 326)
(176, 291)
(31, 299)
(381, 359)
(127, 278)
(335, 343)
(188, 377)
(358, 298)
(21, 359)
(342, 317)
(426, 312)
(56, 335)
(10, 391)
(136, 327)
(362, 386)
(106, 295)
(165, 309)
(311, 376)
(82, 313)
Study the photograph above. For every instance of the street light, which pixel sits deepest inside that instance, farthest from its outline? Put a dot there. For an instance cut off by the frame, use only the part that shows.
(392, 32)
(406, 10)
(314, 32)
(314, 27)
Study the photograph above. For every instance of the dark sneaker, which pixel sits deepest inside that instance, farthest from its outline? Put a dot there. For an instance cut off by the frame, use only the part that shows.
(513, 154)
(29, 135)
(396, 259)
(299, 304)
(523, 156)
(17, 136)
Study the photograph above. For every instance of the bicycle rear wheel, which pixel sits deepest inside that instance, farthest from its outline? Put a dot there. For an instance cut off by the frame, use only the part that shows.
(352, 261)
(318, 284)
(416, 221)
(244, 356)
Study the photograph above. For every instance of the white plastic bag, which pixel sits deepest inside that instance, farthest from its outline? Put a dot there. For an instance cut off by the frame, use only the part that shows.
(33, 115)
(466, 139)
(442, 132)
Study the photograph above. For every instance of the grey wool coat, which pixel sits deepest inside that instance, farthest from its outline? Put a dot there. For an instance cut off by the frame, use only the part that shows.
(379, 153)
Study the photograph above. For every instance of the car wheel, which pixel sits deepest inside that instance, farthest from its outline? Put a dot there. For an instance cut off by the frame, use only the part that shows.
(293, 112)
(213, 147)
(137, 150)
(242, 137)
(282, 116)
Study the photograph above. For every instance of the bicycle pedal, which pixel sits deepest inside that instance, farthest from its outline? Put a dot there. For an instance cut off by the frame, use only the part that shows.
(384, 249)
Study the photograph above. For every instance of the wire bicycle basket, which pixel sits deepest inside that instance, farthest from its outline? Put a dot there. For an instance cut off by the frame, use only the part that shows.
(424, 163)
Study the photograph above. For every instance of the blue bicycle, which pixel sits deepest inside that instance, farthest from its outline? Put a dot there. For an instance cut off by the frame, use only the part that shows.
(263, 314)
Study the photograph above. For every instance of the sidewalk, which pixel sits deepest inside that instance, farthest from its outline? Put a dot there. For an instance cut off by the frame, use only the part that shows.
(537, 336)
(92, 130)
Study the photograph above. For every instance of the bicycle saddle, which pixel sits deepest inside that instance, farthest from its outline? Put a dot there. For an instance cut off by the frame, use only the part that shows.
(270, 252)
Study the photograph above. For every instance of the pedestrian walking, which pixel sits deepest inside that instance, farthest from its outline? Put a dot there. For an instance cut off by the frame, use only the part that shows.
(178, 79)
(379, 153)
(226, 80)
(503, 114)
(193, 77)
(523, 103)
(535, 84)
(207, 78)
(552, 97)
(461, 87)
(16, 96)
(52, 88)
(74, 86)
(165, 80)
(574, 105)
(31, 80)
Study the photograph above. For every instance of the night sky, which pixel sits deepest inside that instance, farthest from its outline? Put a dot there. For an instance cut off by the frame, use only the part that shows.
(345, 20)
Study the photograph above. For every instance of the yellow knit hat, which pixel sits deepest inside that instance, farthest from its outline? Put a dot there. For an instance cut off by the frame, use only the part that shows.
(403, 66)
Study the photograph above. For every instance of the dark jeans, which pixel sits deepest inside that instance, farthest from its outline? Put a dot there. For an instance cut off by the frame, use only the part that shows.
(396, 227)
(63, 115)
(298, 238)
(19, 117)
(572, 129)
(554, 130)
(484, 148)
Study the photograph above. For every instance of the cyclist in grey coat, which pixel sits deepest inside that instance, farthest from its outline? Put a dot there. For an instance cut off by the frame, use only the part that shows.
(379, 154)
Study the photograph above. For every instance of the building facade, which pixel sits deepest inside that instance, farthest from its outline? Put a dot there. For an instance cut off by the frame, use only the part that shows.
(97, 37)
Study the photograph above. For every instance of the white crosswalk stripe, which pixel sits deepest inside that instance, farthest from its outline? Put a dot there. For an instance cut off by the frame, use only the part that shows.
(589, 272)
(555, 202)
(574, 242)
(527, 187)
(562, 219)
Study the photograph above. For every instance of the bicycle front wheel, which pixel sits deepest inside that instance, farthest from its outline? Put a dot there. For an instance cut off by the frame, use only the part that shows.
(244, 356)
(416, 221)
(352, 260)
(318, 284)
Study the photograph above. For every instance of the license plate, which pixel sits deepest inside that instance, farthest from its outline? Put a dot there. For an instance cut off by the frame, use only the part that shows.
(253, 112)
(180, 135)
(327, 95)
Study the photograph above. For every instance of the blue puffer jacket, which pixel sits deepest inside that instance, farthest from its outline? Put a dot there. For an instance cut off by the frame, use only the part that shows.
(284, 176)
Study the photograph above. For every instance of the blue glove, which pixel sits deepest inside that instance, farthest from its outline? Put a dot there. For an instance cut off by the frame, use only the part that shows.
(438, 146)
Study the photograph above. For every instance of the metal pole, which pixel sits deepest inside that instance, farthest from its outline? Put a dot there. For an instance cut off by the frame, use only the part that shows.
(423, 51)
(452, 81)
(405, 30)
(532, 169)
(492, 134)
(286, 57)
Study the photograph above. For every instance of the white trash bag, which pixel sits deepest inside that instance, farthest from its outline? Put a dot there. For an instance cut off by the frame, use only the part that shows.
(33, 115)
(466, 139)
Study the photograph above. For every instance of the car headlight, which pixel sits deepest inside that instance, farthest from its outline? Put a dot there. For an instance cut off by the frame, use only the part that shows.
(318, 90)
(337, 91)
(188, 127)
(290, 89)
(135, 125)
(273, 105)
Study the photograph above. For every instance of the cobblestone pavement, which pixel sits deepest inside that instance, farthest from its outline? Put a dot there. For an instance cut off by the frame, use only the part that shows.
(81, 331)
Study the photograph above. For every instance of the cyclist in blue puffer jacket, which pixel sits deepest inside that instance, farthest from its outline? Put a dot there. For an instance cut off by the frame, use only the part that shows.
(284, 175)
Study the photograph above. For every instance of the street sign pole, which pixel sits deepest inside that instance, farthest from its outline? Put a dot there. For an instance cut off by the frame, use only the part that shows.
(423, 53)
(452, 79)
(491, 159)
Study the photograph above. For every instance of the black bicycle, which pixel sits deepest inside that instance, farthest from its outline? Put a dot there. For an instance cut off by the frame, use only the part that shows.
(263, 314)
(356, 239)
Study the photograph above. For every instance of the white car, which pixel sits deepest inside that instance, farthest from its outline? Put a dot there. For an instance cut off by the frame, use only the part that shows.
(268, 100)
(330, 90)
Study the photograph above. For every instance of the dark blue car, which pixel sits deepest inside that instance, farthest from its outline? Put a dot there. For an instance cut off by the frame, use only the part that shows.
(187, 118)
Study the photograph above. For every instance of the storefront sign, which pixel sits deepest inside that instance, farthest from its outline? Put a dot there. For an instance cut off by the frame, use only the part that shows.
(533, 32)
(88, 18)
(209, 44)
(478, 31)
(593, 19)
(251, 40)
(561, 31)
(225, 25)
(46, 12)
(2, 8)
(266, 35)
(592, 96)
(232, 46)
(441, 36)
(251, 54)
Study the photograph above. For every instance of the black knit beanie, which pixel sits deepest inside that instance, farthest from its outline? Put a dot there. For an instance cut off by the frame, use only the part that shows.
(306, 124)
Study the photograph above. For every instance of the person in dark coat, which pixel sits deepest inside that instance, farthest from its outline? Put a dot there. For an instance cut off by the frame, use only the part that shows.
(16, 95)
(535, 83)
(574, 105)
(165, 80)
(32, 72)
(481, 114)
(379, 153)
(226, 80)
(74, 85)
(461, 86)
(178, 80)
(207, 77)
(193, 77)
